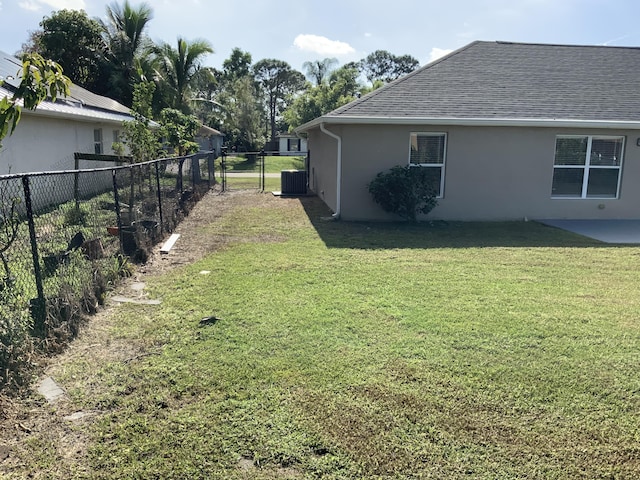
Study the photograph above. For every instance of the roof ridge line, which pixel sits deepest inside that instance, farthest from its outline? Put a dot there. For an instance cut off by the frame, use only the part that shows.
(382, 89)
(568, 45)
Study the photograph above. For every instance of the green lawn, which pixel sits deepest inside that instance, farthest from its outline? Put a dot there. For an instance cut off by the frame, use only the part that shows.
(273, 164)
(251, 183)
(355, 350)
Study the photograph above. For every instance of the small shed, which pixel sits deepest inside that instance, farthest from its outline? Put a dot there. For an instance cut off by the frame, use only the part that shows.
(289, 144)
(210, 139)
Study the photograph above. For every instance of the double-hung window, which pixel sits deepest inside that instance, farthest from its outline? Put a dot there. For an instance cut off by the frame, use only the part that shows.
(587, 166)
(429, 150)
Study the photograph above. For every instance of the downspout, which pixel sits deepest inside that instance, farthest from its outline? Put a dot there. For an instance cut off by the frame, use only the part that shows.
(336, 215)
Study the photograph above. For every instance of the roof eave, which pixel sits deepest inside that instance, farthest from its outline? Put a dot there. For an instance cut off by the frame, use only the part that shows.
(471, 122)
(78, 117)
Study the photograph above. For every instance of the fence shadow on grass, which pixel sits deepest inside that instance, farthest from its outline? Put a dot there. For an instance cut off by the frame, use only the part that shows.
(439, 234)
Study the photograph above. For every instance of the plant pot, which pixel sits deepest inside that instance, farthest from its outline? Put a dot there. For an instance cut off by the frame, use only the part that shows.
(93, 249)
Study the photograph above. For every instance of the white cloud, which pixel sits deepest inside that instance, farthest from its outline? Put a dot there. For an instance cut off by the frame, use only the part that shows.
(322, 45)
(34, 5)
(437, 53)
(29, 5)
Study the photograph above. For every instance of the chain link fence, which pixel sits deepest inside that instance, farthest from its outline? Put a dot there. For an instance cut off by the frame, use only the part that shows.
(242, 171)
(64, 236)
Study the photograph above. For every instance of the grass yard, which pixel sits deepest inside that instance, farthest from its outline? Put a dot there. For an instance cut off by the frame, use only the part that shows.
(354, 350)
(272, 164)
(248, 183)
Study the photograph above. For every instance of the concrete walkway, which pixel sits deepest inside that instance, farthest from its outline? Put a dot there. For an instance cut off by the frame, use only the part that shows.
(251, 175)
(608, 231)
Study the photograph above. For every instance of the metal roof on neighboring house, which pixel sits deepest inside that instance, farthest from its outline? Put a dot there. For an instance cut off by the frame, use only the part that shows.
(81, 103)
(206, 131)
(509, 83)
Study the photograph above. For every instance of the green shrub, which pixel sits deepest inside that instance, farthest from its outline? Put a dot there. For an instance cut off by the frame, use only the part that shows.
(76, 215)
(406, 191)
(16, 346)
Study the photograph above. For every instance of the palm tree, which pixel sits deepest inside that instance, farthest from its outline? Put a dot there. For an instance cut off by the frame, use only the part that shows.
(125, 38)
(319, 70)
(177, 68)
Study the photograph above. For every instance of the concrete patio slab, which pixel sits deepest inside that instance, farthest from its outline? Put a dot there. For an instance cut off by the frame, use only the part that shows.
(608, 231)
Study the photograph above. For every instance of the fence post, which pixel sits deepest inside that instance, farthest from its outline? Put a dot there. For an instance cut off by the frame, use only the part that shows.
(159, 195)
(116, 201)
(179, 185)
(223, 168)
(195, 171)
(38, 309)
(211, 168)
(262, 169)
(76, 180)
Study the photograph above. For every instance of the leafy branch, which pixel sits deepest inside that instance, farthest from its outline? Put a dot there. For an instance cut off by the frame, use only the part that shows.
(40, 79)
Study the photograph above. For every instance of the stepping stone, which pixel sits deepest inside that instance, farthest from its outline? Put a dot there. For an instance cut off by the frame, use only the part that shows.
(76, 416)
(50, 390)
(137, 301)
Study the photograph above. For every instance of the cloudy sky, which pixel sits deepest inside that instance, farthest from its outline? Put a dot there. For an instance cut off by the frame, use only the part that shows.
(301, 30)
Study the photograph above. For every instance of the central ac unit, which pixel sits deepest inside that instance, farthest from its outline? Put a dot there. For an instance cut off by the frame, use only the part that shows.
(293, 182)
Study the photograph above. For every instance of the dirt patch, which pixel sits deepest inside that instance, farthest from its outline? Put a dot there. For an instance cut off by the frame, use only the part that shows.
(59, 427)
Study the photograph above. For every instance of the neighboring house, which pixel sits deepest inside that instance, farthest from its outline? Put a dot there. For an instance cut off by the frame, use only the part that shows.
(210, 140)
(509, 131)
(46, 138)
(291, 144)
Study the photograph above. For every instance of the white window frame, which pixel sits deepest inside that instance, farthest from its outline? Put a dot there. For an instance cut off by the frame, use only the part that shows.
(432, 165)
(587, 167)
(97, 141)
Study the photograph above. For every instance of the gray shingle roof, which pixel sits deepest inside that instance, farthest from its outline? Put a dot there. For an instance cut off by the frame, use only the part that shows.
(501, 80)
(80, 102)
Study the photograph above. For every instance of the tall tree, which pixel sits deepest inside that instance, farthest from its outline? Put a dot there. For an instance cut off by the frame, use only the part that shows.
(124, 33)
(205, 87)
(278, 82)
(341, 88)
(243, 115)
(238, 65)
(178, 67)
(74, 41)
(319, 70)
(382, 65)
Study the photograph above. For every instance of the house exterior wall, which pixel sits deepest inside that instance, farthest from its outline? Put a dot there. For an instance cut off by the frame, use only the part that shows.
(491, 173)
(322, 167)
(43, 144)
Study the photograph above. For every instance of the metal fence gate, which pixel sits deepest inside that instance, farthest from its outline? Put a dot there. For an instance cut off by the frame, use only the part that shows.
(242, 171)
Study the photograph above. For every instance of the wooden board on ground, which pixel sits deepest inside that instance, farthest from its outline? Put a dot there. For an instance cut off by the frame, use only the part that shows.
(168, 245)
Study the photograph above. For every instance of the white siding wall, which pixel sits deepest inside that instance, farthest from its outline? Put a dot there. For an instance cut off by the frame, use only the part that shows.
(284, 146)
(43, 144)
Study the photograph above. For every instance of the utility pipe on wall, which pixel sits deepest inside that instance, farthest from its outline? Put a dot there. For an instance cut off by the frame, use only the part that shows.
(336, 215)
